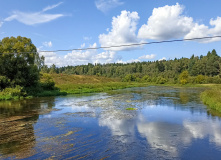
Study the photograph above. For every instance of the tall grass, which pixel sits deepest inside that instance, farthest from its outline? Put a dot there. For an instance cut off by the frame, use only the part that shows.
(212, 98)
(95, 87)
(12, 93)
(77, 84)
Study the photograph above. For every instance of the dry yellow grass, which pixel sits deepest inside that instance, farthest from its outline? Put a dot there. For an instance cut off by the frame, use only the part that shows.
(80, 79)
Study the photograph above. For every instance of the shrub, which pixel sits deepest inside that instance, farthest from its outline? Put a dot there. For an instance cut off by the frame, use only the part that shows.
(47, 82)
(184, 77)
(13, 92)
(146, 78)
(183, 81)
(200, 79)
(161, 80)
(129, 78)
(4, 82)
(216, 80)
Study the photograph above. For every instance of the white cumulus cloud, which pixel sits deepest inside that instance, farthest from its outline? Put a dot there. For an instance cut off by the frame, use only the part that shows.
(166, 23)
(162, 59)
(32, 18)
(151, 56)
(169, 22)
(80, 57)
(106, 5)
(199, 31)
(90, 56)
(123, 31)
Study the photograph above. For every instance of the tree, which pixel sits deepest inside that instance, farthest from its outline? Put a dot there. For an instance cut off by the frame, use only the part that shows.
(17, 61)
(184, 76)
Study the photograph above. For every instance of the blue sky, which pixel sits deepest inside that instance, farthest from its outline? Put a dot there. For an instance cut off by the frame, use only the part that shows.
(69, 24)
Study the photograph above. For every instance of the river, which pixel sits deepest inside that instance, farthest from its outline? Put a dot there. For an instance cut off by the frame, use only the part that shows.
(167, 123)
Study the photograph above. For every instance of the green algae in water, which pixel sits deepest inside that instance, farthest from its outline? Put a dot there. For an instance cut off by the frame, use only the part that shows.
(131, 109)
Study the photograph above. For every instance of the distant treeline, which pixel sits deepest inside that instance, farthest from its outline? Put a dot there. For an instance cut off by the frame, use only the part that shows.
(205, 67)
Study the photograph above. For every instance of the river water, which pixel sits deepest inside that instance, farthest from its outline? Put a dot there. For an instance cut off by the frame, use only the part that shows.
(168, 123)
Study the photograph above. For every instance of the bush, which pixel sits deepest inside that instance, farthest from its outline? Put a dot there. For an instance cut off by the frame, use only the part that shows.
(200, 79)
(146, 78)
(184, 77)
(161, 80)
(12, 93)
(183, 81)
(216, 80)
(129, 78)
(17, 91)
(4, 82)
(47, 82)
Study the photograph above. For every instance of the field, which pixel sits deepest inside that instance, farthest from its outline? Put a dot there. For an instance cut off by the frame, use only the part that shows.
(77, 84)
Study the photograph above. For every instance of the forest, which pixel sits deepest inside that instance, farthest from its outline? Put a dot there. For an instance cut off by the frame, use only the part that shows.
(196, 69)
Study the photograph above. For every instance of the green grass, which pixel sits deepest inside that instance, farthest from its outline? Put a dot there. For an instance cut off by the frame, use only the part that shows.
(212, 97)
(96, 87)
(50, 93)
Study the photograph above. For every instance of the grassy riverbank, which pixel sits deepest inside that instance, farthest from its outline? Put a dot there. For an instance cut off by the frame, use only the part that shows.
(212, 97)
(77, 84)
(62, 84)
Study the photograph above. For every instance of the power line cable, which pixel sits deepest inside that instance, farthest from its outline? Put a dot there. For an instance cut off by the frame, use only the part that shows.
(124, 45)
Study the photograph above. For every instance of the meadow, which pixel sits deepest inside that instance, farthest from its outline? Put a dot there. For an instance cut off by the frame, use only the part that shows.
(78, 84)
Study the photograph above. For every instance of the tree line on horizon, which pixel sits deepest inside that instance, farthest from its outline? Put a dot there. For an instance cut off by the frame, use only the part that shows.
(202, 66)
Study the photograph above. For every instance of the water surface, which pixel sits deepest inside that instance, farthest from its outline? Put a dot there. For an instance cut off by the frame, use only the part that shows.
(168, 123)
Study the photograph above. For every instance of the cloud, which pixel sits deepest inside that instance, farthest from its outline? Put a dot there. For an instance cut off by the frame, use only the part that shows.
(83, 45)
(80, 57)
(123, 31)
(1, 23)
(51, 58)
(90, 56)
(152, 56)
(32, 18)
(200, 130)
(51, 7)
(47, 44)
(199, 31)
(164, 58)
(157, 135)
(166, 23)
(106, 5)
(87, 38)
(118, 127)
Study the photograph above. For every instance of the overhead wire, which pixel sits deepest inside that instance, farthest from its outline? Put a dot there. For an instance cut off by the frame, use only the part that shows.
(122, 45)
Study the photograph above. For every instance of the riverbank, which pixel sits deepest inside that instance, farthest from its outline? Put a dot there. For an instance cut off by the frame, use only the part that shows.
(212, 97)
(78, 84)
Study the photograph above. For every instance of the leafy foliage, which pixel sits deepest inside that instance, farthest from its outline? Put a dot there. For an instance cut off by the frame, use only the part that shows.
(47, 83)
(184, 77)
(18, 57)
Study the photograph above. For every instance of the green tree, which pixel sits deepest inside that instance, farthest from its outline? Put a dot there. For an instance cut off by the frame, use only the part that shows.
(17, 61)
(184, 76)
